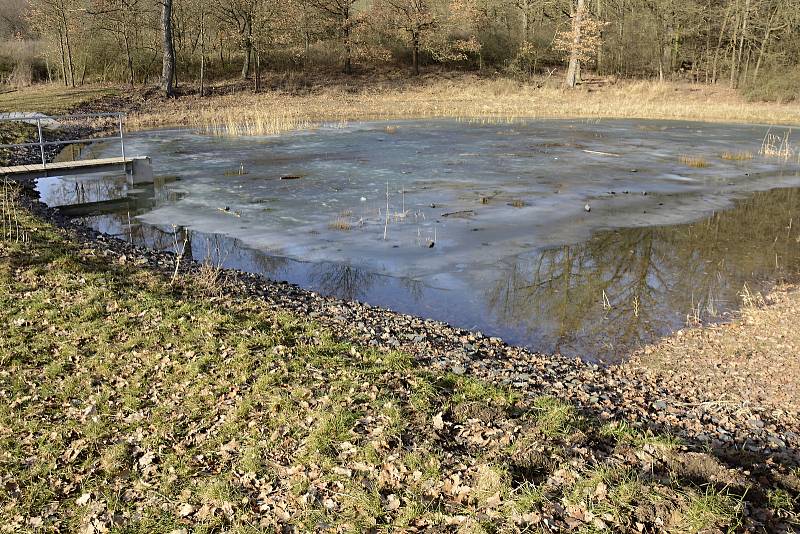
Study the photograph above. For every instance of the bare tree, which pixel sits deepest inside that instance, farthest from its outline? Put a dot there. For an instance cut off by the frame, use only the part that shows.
(580, 42)
(168, 49)
(341, 17)
(414, 19)
(574, 70)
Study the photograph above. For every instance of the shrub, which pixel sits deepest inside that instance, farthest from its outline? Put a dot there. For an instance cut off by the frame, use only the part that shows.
(776, 85)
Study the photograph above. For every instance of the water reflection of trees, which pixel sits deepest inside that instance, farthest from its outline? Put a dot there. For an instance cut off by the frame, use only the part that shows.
(625, 287)
(341, 280)
(347, 282)
(80, 191)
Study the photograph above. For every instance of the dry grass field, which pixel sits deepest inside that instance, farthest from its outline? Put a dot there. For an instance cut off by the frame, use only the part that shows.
(464, 97)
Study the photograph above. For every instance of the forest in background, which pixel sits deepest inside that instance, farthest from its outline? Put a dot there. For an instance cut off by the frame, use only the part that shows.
(753, 45)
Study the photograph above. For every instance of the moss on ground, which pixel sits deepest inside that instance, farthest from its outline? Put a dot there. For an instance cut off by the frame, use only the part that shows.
(134, 404)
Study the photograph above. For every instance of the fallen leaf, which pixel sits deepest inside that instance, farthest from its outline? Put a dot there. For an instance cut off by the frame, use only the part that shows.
(186, 510)
(393, 503)
(438, 423)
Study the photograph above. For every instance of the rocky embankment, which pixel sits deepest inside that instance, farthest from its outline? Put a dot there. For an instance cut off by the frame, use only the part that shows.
(628, 391)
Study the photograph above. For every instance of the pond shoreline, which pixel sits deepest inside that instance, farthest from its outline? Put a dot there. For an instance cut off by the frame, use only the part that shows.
(618, 391)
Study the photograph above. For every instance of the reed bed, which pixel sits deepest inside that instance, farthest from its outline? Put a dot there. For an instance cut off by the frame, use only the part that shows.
(465, 97)
(257, 122)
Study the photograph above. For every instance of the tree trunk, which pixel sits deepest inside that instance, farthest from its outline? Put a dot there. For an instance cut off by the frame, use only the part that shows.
(257, 80)
(599, 52)
(574, 72)
(248, 48)
(708, 44)
(128, 57)
(348, 51)
(762, 50)
(70, 67)
(719, 43)
(415, 54)
(69, 61)
(735, 81)
(168, 58)
(202, 52)
(63, 58)
(734, 45)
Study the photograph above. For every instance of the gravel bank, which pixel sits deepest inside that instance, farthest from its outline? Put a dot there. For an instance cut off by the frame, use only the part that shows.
(632, 391)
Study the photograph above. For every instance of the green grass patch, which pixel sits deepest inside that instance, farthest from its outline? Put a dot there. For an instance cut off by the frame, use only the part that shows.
(624, 433)
(711, 509)
(51, 99)
(555, 417)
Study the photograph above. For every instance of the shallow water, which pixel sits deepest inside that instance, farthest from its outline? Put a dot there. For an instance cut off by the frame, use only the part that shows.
(487, 227)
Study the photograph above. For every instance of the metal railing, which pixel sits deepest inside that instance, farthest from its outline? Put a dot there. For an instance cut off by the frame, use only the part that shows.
(42, 143)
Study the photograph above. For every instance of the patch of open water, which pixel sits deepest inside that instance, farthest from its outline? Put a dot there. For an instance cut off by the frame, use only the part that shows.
(486, 226)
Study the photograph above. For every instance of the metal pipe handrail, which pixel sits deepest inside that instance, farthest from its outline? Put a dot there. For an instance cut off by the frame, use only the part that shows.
(42, 143)
(70, 142)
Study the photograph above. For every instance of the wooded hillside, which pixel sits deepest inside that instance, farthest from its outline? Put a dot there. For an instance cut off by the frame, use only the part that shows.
(750, 44)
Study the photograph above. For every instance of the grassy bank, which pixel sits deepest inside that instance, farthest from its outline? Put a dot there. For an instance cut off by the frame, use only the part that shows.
(135, 403)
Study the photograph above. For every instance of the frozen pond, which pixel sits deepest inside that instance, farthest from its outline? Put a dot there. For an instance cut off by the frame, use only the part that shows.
(486, 226)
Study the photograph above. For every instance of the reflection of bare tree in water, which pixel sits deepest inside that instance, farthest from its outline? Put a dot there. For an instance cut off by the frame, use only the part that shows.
(341, 280)
(625, 287)
(605, 290)
(224, 251)
(415, 288)
(68, 192)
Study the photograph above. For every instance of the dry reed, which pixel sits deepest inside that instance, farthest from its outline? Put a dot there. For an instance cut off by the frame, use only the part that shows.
(465, 97)
(736, 156)
(693, 161)
(9, 212)
(342, 223)
(776, 146)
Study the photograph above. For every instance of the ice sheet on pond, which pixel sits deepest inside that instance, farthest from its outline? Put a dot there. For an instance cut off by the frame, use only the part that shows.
(467, 202)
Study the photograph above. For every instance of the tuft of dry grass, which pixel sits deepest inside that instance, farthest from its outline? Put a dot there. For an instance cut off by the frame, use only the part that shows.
(342, 223)
(208, 276)
(693, 161)
(517, 203)
(10, 228)
(736, 156)
(776, 146)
